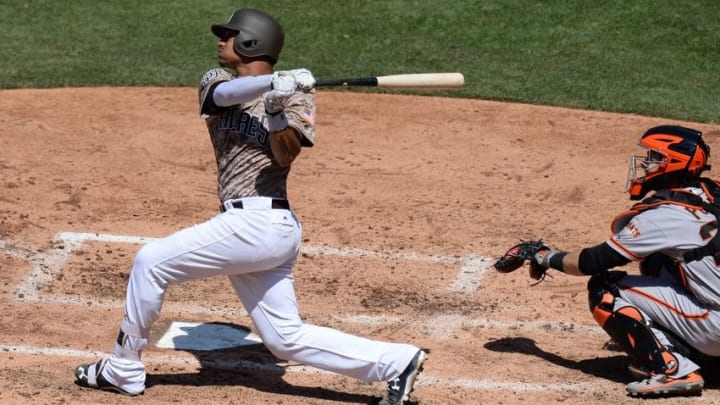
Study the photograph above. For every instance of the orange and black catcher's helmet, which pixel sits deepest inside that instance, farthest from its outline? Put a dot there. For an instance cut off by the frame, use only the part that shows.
(676, 156)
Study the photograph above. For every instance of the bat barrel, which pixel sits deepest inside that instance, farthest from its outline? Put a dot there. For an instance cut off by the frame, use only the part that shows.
(402, 81)
(422, 81)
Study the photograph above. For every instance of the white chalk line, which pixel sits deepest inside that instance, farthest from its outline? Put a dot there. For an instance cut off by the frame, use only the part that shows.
(423, 379)
(48, 264)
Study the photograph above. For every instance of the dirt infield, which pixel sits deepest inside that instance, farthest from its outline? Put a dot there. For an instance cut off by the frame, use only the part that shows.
(404, 202)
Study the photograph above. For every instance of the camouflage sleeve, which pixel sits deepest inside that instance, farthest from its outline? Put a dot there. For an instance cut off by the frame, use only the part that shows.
(300, 112)
(211, 79)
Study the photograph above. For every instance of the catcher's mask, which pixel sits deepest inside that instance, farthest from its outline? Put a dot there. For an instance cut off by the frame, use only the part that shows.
(674, 156)
(257, 34)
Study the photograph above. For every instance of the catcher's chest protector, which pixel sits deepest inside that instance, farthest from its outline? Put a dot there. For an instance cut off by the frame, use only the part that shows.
(689, 201)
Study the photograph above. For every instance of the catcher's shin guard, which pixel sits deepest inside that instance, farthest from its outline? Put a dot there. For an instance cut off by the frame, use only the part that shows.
(631, 331)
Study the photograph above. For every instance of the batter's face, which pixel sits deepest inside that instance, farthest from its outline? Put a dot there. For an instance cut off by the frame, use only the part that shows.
(226, 54)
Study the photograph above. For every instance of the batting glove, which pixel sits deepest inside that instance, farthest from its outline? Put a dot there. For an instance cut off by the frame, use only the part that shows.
(276, 118)
(304, 79)
(283, 86)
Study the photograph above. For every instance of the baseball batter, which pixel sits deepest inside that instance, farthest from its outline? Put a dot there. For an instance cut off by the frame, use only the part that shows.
(258, 121)
(667, 318)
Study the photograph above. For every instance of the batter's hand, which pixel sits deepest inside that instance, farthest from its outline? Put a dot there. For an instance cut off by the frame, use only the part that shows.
(283, 86)
(304, 79)
(284, 82)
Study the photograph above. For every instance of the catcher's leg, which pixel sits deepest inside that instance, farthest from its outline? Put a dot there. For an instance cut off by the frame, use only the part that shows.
(629, 328)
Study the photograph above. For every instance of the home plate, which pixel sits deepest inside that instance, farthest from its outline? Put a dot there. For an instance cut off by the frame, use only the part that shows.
(206, 336)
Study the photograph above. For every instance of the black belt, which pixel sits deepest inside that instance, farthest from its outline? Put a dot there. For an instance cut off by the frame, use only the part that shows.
(276, 204)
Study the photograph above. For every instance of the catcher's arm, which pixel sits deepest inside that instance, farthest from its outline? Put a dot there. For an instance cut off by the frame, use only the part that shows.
(568, 264)
(585, 262)
(592, 260)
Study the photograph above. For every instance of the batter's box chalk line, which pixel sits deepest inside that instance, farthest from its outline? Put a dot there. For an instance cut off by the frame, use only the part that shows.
(48, 265)
(424, 379)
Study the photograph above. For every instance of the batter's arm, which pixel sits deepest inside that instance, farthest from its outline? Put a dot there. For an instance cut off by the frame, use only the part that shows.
(240, 90)
(285, 145)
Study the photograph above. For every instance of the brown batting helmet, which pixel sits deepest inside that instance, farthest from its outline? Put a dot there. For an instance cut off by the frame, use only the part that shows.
(256, 33)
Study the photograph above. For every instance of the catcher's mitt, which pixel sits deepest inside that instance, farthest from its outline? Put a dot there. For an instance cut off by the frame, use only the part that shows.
(515, 257)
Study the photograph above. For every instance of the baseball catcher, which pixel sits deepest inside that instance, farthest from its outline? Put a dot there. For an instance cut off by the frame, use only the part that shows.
(667, 317)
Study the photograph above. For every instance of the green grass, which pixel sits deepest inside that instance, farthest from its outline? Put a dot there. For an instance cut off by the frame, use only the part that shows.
(651, 57)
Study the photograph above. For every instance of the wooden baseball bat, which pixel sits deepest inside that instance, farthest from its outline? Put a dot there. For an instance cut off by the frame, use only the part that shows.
(401, 81)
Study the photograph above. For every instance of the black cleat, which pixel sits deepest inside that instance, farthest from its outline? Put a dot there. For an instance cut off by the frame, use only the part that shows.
(399, 389)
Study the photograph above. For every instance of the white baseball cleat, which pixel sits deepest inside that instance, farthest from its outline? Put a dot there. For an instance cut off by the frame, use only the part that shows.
(90, 375)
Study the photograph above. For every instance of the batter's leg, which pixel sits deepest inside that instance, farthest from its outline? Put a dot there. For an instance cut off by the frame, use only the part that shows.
(269, 298)
(234, 242)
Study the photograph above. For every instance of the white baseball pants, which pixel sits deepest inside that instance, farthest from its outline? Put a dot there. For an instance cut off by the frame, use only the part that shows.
(255, 247)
